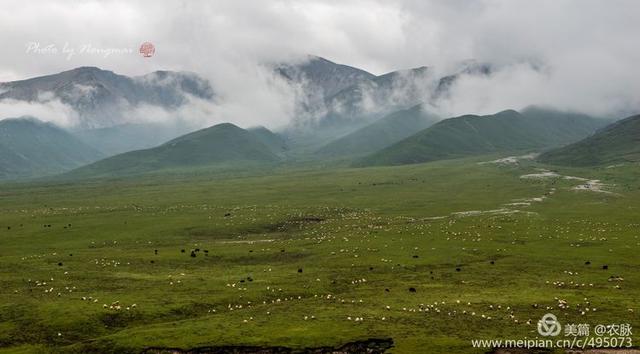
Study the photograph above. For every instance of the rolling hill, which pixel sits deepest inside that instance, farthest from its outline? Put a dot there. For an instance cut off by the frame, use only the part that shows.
(507, 131)
(275, 142)
(220, 144)
(616, 143)
(31, 148)
(122, 138)
(380, 134)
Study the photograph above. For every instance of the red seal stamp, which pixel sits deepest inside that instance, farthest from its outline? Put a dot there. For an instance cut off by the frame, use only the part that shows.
(147, 49)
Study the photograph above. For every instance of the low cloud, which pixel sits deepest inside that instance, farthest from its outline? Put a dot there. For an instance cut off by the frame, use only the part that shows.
(52, 110)
(574, 55)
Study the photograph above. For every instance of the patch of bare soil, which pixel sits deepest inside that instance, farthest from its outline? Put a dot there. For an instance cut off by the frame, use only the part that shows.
(369, 346)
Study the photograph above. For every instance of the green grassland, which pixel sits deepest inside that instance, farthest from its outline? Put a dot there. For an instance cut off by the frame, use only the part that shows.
(287, 257)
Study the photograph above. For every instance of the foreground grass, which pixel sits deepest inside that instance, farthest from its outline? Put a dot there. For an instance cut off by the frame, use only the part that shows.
(288, 257)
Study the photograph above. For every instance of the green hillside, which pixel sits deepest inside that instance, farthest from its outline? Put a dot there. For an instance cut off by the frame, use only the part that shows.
(31, 148)
(380, 134)
(468, 135)
(274, 141)
(617, 143)
(123, 138)
(220, 144)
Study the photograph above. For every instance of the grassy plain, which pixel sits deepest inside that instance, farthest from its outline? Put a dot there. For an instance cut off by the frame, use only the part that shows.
(430, 255)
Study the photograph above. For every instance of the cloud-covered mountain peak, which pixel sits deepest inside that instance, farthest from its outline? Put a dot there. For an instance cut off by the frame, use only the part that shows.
(102, 98)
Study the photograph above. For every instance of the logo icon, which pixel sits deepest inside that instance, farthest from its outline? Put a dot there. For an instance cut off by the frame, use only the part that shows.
(549, 325)
(147, 49)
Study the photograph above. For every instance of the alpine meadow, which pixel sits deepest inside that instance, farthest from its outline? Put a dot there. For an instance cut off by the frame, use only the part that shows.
(448, 177)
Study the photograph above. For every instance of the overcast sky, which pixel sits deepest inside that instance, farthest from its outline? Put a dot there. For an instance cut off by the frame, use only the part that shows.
(589, 50)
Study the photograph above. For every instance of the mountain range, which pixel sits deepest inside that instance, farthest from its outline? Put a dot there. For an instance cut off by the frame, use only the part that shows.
(30, 148)
(334, 96)
(102, 98)
(347, 114)
(340, 95)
